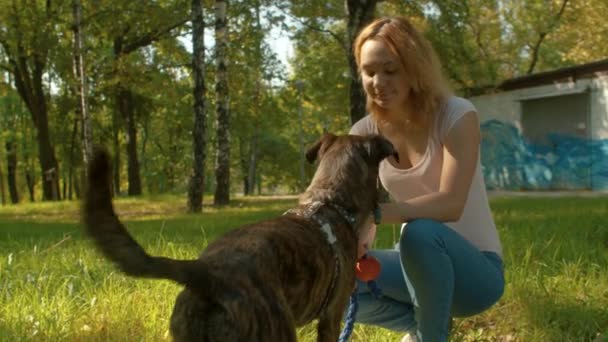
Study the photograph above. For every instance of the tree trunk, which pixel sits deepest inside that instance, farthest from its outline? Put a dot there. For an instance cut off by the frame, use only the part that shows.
(123, 45)
(127, 110)
(31, 184)
(2, 189)
(259, 185)
(116, 149)
(222, 165)
(246, 185)
(79, 68)
(11, 161)
(28, 64)
(31, 90)
(144, 143)
(46, 157)
(253, 163)
(76, 185)
(243, 156)
(197, 181)
(9, 112)
(70, 186)
(360, 13)
(71, 162)
(27, 139)
(64, 184)
(251, 160)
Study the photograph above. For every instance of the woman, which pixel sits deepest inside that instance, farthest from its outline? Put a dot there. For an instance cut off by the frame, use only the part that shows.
(448, 261)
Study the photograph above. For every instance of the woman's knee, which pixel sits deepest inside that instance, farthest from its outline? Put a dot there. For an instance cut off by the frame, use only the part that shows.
(419, 232)
(483, 300)
(473, 297)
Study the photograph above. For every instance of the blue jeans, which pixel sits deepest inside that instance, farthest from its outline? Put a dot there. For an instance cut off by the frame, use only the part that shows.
(435, 274)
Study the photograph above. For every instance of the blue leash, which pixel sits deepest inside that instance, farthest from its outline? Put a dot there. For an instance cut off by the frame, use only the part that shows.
(351, 316)
(353, 307)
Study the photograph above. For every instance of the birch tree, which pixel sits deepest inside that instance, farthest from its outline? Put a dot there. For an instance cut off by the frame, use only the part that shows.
(79, 73)
(199, 133)
(222, 164)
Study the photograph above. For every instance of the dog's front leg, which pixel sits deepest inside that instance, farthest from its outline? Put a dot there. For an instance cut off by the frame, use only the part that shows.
(328, 329)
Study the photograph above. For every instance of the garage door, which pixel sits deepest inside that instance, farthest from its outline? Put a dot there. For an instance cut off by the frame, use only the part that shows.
(557, 130)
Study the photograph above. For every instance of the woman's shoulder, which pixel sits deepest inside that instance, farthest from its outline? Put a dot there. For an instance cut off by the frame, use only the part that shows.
(459, 105)
(364, 126)
(454, 109)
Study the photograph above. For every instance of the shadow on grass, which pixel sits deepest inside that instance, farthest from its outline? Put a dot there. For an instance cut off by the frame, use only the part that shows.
(116, 332)
(144, 219)
(560, 318)
(139, 208)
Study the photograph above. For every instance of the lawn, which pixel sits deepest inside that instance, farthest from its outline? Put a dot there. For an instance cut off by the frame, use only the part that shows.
(55, 287)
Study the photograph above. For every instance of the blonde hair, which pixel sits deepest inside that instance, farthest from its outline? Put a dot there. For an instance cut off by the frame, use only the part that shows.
(419, 60)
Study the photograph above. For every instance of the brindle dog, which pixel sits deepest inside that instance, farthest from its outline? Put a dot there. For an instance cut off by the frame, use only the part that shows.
(260, 281)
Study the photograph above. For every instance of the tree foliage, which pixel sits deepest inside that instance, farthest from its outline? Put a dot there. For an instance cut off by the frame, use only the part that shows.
(140, 81)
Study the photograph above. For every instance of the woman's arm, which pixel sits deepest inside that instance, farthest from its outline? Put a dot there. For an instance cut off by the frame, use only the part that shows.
(460, 153)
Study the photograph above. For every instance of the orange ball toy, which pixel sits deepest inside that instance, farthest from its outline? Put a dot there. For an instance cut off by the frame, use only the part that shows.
(367, 268)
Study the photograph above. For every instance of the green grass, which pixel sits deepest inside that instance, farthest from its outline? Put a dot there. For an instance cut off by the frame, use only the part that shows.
(55, 287)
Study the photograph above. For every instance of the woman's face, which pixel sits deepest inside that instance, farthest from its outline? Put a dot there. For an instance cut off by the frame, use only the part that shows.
(383, 76)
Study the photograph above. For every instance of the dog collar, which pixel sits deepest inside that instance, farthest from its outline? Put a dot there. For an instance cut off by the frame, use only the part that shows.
(344, 213)
(311, 209)
(326, 227)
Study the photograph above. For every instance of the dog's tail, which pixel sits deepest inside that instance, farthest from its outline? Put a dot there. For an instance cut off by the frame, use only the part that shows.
(114, 241)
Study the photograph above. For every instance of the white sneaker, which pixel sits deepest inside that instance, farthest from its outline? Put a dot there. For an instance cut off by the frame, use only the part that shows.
(409, 338)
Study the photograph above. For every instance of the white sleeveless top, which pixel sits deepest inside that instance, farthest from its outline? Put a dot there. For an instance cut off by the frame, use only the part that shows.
(476, 223)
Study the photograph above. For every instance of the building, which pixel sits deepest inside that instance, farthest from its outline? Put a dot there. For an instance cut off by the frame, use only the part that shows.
(547, 131)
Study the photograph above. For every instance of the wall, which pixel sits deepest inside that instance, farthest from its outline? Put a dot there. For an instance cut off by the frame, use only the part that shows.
(510, 162)
(599, 107)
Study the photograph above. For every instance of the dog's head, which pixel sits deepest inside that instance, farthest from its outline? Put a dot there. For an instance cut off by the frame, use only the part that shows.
(348, 169)
(373, 148)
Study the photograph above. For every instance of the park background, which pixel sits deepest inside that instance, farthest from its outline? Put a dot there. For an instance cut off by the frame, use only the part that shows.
(203, 110)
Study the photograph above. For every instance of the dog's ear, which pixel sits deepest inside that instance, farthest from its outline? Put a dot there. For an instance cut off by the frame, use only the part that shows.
(379, 148)
(319, 147)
